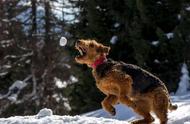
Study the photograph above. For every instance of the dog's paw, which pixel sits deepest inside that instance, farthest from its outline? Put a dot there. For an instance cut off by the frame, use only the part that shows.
(113, 112)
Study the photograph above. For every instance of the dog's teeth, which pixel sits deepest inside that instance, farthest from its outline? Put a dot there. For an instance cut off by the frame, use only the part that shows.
(80, 51)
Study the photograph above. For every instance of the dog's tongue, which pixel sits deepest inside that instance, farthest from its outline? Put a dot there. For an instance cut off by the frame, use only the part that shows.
(99, 61)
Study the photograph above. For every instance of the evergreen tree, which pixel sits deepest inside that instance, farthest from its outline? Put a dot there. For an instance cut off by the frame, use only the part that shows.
(31, 57)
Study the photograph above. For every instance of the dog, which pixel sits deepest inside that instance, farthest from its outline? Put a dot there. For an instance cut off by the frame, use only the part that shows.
(125, 83)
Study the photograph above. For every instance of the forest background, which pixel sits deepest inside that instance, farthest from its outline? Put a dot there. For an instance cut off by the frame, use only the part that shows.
(36, 72)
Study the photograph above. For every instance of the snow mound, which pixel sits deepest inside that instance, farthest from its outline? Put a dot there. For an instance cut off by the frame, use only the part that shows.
(44, 112)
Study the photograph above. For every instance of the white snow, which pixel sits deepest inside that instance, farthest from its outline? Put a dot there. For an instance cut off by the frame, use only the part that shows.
(63, 9)
(159, 2)
(6, 41)
(5, 20)
(3, 73)
(116, 25)
(15, 89)
(170, 35)
(184, 83)
(123, 116)
(17, 84)
(24, 3)
(155, 43)
(156, 61)
(98, 8)
(67, 106)
(122, 113)
(114, 39)
(179, 116)
(188, 8)
(54, 119)
(60, 84)
(73, 79)
(44, 113)
(179, 16)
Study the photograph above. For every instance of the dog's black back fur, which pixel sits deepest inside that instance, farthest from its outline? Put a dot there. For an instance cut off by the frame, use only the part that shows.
(143, 81)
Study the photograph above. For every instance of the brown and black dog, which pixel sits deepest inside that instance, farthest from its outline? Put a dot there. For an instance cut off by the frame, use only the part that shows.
(125, 83)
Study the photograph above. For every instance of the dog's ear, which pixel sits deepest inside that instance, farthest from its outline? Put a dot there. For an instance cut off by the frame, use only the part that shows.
(106, 50)
(103, 49)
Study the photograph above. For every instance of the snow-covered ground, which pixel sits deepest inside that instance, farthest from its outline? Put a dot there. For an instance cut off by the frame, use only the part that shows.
(180, 116)
(124, 114)
(45, 116)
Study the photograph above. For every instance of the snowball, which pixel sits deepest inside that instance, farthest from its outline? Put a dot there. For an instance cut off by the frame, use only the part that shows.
(63, 41)
(44, 112)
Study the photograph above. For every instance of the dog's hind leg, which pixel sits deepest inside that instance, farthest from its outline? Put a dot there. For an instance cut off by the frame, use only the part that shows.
(160, 106)
(143, 108)
(108, 104)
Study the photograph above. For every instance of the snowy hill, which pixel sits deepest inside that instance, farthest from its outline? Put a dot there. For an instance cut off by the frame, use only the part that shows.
(124, 114)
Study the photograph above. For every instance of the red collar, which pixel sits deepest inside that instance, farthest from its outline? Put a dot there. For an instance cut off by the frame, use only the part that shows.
(98, 61)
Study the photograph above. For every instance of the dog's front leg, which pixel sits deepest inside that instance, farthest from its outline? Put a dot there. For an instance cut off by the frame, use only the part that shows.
(126, 101)
(108, 104)
(124, 91)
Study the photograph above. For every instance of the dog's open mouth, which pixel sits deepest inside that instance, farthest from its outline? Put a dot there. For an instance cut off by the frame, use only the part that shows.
(81, 50)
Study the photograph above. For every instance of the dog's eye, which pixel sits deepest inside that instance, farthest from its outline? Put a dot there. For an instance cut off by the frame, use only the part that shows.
(91, 45)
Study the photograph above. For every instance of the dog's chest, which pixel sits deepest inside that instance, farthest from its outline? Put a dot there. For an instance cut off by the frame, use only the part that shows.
(106, 84)
(107, 87)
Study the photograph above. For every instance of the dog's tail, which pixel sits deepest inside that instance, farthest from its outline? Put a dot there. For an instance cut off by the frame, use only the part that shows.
(172, 107)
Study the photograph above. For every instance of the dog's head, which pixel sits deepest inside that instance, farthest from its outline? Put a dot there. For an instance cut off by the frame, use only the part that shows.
(90, 51)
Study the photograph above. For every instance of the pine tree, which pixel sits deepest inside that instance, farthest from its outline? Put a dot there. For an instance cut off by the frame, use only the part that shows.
(31, 55)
